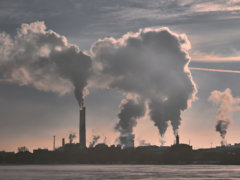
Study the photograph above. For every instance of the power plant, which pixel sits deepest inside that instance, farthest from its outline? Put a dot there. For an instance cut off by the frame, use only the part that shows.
(73, 153)
(124, 153)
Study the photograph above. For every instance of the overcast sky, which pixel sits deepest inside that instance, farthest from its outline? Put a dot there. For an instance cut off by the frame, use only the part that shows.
(30, 117)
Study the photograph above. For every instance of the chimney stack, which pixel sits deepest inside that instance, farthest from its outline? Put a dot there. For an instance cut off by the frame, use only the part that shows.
(54, 143)
(177, 139)
(82, 127)
(63, 142)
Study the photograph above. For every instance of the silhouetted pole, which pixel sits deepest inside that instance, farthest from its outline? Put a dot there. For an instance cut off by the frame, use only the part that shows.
(177, 139)
(54, 143)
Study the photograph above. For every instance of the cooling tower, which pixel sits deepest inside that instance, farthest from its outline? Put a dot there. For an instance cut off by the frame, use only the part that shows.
(82, 127)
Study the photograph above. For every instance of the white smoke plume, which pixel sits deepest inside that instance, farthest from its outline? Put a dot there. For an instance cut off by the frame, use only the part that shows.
(43, 59)
(162, 142)
(130, 111)
(227, 104)
(94, 141)
(71, 137)
(151, 64)
(144, 143)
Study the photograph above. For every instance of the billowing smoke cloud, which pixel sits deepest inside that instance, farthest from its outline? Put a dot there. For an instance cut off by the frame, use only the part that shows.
(94, 141)
(227, 104)
(152, 64)
(131, 110)
(43, 59)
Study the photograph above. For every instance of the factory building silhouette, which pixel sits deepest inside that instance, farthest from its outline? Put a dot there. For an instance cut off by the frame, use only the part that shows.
(128, 139)
(79, 153)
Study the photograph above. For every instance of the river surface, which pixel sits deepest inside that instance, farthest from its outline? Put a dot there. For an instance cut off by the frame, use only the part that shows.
(75, 172)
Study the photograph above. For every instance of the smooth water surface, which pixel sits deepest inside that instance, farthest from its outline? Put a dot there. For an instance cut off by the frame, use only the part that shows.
(69, 172)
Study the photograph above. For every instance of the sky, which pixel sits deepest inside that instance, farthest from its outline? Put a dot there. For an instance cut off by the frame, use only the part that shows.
(31, 116)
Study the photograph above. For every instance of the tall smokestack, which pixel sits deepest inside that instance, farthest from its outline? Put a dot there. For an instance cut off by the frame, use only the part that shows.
(63, 142)
(54, 143)
(82, 127)
(177, 139)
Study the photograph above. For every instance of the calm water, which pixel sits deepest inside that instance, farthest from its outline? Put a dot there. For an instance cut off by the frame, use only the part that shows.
(69, 172)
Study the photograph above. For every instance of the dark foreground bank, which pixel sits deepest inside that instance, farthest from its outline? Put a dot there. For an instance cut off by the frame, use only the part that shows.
(102, 154)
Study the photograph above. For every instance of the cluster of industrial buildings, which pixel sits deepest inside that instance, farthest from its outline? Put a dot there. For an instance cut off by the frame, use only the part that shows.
(102, 153)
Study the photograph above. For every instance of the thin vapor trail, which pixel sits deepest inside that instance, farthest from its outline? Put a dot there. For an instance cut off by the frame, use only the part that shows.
(215, 70)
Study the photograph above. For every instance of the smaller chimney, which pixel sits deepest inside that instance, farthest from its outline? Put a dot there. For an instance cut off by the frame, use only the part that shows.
(54, 143)
(177, 139)
(63, 142)
(82, 127)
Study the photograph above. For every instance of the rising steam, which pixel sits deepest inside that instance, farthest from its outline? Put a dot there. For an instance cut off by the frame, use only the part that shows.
(144, 143)
(94, 141)
(130, 111)
(71, 137)
(227, 104)
(43, 59)
(152, 64)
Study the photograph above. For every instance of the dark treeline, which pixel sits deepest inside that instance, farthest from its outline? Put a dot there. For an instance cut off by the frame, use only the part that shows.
(102, 154)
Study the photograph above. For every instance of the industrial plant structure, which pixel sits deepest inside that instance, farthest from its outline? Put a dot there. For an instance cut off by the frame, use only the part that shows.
(73, 153)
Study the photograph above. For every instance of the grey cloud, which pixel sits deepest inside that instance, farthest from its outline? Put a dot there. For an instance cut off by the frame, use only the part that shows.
(112, 18)
(101, 14)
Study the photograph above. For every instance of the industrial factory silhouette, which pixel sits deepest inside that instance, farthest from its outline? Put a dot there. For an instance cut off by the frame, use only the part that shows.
(79, 153)
(150, 68)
